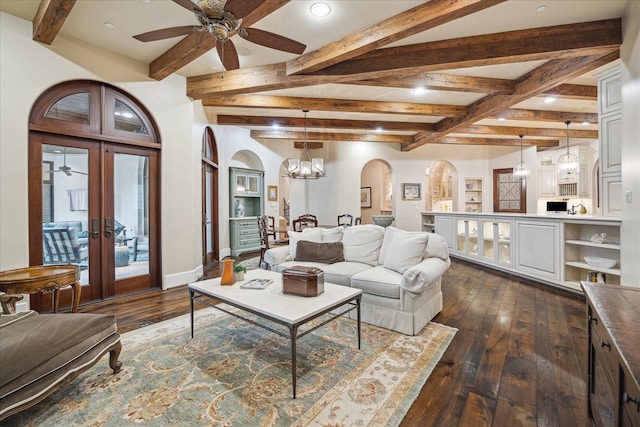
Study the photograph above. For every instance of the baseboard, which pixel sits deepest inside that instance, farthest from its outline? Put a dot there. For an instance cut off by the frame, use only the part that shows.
(173, 280)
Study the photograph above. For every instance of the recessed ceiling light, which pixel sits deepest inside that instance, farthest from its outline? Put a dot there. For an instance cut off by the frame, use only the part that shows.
(502, 119)
(378, 129)
(419, 90)
(146, 1)
(541, 8)
(320, 9)
(275, 126)
(549, 99)
(585, 123)
(109, 25)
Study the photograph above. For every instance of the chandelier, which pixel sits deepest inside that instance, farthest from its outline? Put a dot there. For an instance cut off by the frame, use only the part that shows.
(305, 167)
(568, 163)
(521, 170)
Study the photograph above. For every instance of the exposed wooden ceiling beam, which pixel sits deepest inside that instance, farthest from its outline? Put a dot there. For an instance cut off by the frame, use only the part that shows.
(197, 44)
(545, 116)
(49, 19)
(322, 104)
(438, 81)
(370, 125)
(562, 41)
(542, 78)
(413, 21)
(567, 91)
(456, 140)
(311, 145)
(527, 131)
(472, 51)
(331, 136)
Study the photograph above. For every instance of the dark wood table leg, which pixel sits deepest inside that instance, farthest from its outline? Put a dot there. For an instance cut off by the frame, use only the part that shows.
(191, 293)
(358, 311)
(294, 362)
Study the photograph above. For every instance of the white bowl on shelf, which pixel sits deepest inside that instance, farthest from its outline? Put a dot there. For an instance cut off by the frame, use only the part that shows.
(596, 261)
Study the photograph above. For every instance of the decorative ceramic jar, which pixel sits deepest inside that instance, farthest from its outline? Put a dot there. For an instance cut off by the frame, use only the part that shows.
(383, 220)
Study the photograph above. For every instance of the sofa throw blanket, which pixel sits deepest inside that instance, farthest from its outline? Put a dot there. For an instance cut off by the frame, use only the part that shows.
(328, 252)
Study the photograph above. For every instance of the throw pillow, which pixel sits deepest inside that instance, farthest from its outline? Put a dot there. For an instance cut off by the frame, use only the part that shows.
(362, 243)
(332, 234)
(327, 253)
(309, 234)
(406, 250)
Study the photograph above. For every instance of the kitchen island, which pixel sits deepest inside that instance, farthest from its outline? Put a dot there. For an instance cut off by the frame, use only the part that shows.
(550, 249)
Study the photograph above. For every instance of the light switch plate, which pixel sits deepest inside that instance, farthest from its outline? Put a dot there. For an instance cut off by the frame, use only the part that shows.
(628, 196)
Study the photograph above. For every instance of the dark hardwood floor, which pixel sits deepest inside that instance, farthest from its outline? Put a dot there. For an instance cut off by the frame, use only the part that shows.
(518, 359)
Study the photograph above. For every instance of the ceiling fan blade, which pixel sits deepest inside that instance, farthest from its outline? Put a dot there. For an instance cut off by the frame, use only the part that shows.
(187, 4)
(67, 172)
(166, 33)
(274, 41)
(230, 59)
(241, 8)
(80, 173)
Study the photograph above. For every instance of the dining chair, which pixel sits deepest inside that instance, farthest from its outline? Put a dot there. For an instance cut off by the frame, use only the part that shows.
(301, 223)
(271, 226)
(264, 238)
(345, 220)
(358, 220)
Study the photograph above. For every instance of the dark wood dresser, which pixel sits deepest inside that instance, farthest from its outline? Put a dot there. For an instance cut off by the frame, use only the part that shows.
(614, 354)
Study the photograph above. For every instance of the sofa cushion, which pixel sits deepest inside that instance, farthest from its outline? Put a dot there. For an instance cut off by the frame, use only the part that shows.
(405, 250)
(311, 235)
(378, 281)
(362, 243)
(437, 247)
(319, 252)
(332, 234)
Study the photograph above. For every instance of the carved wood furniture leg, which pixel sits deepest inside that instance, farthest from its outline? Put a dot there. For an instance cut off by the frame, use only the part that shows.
(114, 354)
(56, 298)
(8, 302)
(76, 296)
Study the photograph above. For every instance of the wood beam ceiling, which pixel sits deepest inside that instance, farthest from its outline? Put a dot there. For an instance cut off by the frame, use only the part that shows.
(49, 19)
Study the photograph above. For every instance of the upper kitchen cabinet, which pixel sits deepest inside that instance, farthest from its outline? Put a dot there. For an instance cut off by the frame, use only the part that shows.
(610, 142)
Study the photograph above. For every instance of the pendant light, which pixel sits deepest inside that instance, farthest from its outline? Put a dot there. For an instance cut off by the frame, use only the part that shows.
(521, 170)
(305, 168)
(568, 163)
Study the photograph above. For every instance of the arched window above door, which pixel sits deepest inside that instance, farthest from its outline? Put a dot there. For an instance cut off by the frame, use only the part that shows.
(93, 110)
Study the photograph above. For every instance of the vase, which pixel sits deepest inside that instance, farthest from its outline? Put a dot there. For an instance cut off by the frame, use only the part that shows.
(228, 277)
(239, 276)
(239, 209)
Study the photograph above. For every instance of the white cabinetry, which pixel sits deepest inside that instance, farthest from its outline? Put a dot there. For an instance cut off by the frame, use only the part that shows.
(552, 183)
(610, 112)
(578, 245)
(496, 241)
(445, 226)
(538, 248)
(467, 237)
(547, 174)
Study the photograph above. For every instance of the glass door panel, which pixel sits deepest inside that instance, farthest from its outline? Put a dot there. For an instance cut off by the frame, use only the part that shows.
(131, 215)
(504, 242)
(488, 240)
(65, 207)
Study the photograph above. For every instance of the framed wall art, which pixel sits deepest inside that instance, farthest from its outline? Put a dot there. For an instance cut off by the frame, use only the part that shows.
(365, 197)
(411, 191)
(272, 193)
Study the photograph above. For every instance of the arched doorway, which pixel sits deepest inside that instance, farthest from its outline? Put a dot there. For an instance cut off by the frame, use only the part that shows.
(94, 189)
(442, 183)
(210, 220)
(376, 183)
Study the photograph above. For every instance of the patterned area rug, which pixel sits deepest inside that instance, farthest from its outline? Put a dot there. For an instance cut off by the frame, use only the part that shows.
(236, 374)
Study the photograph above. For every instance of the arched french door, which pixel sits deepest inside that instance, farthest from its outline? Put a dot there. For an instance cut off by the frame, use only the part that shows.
(94, 189)
(210, 220)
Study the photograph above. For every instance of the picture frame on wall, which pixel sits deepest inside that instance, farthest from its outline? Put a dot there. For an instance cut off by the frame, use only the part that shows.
(365, 197)
(411, 191)
(272, 193)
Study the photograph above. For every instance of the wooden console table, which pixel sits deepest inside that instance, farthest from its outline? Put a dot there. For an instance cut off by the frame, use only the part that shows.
(39, 278)
(613, 394)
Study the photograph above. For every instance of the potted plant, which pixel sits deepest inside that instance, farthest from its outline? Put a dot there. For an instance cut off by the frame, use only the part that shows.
(239, 271)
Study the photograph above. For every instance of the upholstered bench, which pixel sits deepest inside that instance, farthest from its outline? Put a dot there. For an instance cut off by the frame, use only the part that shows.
(39, 351)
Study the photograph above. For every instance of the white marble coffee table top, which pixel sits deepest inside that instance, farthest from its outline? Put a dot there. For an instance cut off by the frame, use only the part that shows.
(271, 301)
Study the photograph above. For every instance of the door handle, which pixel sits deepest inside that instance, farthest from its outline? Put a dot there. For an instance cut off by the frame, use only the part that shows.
(95, 227)
(108, 232)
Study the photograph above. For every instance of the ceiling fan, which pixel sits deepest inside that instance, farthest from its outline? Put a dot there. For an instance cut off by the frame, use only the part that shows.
(66, 169)
(223, 19)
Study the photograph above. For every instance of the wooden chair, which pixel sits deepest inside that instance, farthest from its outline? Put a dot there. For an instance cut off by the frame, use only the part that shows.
(358, 220)
(264, 238)
(300, 223)
(271, 226)
(345, 220)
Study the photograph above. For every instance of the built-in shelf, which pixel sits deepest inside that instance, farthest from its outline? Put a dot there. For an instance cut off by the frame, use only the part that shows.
(473, 194)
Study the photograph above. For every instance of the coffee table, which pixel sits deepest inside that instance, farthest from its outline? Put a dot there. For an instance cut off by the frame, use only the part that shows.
(270, 303)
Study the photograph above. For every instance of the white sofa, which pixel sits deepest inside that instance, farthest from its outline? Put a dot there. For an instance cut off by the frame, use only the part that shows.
(399, 272)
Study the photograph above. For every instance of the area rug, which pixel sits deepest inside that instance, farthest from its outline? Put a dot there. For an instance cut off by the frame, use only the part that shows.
(236, 374)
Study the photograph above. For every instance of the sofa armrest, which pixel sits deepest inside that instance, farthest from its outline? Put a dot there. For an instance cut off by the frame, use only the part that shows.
(418, 278)
(277, 255)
